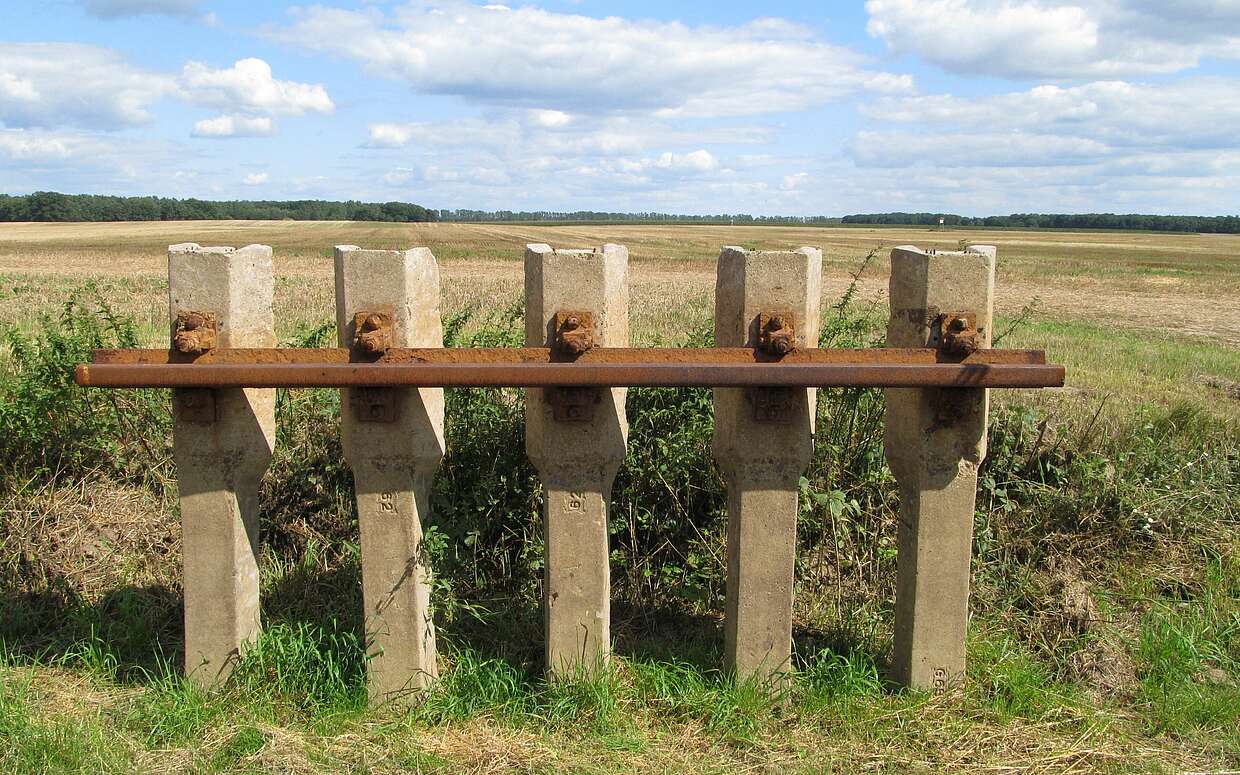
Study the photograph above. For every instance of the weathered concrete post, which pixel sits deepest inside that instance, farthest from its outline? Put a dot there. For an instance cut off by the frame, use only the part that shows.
(393, 441)
(763, 440)
(935, 440)
(575, 299)
(222, 442)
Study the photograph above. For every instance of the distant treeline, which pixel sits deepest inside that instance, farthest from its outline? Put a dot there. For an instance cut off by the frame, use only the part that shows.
(1218, 224)
(51, 206)
(587, 216)
(1228, 224)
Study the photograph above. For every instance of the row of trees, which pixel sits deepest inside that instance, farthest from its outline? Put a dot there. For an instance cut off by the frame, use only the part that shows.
(1218, 224)
(52, 206)
(591, 216)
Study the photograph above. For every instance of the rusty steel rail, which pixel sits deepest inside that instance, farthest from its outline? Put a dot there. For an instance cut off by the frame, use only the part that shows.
(543, 367)
(629, 355)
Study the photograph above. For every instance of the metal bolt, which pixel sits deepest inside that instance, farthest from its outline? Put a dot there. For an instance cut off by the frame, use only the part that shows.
(574, 334)
(195, 333)
(374, 334)
(777, 336)
(958, 337)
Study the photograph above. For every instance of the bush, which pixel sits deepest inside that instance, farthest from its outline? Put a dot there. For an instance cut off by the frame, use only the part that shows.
(51, 427)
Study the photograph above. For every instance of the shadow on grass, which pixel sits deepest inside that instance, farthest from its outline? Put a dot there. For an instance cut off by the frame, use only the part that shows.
(132, 632)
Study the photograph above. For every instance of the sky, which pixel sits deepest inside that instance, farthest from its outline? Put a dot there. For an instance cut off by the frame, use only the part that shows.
(780, 108)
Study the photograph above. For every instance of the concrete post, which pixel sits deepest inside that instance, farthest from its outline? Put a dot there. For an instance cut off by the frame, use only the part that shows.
(763, 440)
(393, 441)
(576, 440)
(935, 440)
(222, 442)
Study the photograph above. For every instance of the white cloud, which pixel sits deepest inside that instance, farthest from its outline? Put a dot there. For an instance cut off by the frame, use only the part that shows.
(615, 135)
(399, 176)
(1059, 38)
(17, 89)
(1168, 146)
(74, 160)
(234, 126)
(53, 85)
(973, 149)
(256, 178)
(700, 160)
(248, 87)
(20, 144)
(114, 9)
(794, 181)
(550, 118)
(74, 84)
(544, 60)
(1181, 115)
(392, 135)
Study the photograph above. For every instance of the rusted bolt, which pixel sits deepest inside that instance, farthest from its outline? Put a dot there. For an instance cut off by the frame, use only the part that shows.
(776, 334)
(958, 334)
(374, 332)
(574, 332)
(195, 333)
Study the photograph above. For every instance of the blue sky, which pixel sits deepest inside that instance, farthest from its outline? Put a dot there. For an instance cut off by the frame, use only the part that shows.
(799, 108)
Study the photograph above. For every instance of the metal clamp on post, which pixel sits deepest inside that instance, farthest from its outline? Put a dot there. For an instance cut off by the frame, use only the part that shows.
(195, 333)
(574, 336)
(372, 338)
(957, 334)
(776, 338)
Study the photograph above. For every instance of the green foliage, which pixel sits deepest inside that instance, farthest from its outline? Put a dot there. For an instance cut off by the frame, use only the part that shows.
(1155, 474)
(304, 667)
(50, 426)
(1217, 224)
(486, 528)
(53, 206)
(1012, 680)
(30, 743)
(1189, 654)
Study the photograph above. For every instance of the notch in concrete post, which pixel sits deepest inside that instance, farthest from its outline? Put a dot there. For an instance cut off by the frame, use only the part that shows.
(935, 441)
(762, 443)
(393, 441)
(222, 443)
(577, 448)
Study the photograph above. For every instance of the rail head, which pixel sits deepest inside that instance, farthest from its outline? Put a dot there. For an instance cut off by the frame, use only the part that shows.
(541, 367)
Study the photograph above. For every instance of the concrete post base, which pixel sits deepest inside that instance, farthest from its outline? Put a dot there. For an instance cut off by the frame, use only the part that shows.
(935, 440)
(577, 458)
(222, 443)
(393, 441)
(762, 456)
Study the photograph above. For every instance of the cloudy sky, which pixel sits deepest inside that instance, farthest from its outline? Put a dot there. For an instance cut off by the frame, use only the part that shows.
(971, 106)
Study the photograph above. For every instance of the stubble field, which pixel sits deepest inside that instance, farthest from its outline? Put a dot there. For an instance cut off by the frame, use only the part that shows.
(1106, 616)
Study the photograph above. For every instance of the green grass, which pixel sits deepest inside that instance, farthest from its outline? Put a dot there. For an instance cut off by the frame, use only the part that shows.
(1134, 367)
(638, 713)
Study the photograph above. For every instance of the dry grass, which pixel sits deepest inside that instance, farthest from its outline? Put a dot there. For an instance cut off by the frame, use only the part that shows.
(1185, 284)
